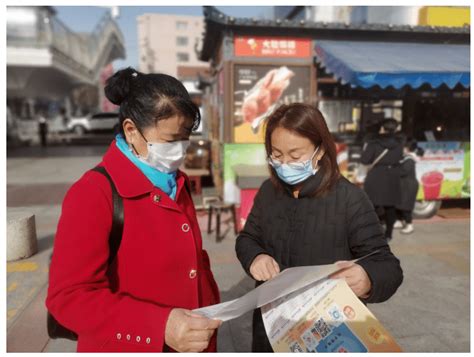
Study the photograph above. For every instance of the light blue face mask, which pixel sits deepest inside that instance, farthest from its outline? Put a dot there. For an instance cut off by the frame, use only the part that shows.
(294, 172)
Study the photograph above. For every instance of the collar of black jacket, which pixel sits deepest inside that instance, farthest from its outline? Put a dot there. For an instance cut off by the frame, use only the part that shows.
(309, 185)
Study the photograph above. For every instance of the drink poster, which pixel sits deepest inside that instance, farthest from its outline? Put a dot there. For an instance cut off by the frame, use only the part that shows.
(442, 171)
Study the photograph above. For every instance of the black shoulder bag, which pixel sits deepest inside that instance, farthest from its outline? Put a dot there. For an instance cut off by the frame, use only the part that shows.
(55, 329)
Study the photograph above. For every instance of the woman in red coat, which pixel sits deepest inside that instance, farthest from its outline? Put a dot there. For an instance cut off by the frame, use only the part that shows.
(142, 301)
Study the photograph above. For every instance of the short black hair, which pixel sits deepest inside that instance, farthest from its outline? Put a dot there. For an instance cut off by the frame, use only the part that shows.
(412, 146)
(390, 125)
(148, 98)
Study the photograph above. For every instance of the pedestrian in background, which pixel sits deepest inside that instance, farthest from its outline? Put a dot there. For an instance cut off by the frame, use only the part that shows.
(307, 213)
(409, 186)
(382, 183)
(42, 128)
(141, 301)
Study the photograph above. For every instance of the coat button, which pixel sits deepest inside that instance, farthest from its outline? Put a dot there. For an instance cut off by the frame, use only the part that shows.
(148, 340)
(156, 198)
(192, 273)
(138, 338)
(119, 336)
(129, 337)
(185, 227)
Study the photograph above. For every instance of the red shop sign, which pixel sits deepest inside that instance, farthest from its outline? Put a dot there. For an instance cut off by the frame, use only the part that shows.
(272, 47)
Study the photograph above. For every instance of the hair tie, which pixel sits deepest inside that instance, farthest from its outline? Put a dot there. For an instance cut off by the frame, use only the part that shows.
(134, 74)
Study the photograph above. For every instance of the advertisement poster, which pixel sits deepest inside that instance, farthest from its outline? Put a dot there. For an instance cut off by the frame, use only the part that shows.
(466, 187)
(258, 90)
(245, 46)
(325, 317)
(444, 170)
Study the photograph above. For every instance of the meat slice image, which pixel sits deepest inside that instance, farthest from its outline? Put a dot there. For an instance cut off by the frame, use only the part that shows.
(260, 101)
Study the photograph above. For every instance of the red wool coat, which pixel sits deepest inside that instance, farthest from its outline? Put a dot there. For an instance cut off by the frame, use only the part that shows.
(160, 264)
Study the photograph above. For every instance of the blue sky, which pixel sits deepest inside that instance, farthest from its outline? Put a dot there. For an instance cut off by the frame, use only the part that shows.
(84, 19)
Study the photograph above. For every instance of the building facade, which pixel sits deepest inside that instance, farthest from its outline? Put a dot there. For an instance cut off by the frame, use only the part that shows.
(167, 42)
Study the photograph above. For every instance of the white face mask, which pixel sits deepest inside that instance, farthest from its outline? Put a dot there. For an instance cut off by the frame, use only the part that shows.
(166, 157)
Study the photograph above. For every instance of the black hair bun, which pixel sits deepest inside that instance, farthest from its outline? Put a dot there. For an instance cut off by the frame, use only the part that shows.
(118, 86)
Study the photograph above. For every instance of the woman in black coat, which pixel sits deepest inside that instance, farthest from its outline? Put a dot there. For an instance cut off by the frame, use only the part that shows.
(382, 183)
(308, 214)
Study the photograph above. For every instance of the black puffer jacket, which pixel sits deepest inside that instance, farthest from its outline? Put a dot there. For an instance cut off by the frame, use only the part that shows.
(312, 231)
(382, 183)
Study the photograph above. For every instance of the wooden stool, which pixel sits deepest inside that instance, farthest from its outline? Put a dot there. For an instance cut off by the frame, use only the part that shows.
(219, 207)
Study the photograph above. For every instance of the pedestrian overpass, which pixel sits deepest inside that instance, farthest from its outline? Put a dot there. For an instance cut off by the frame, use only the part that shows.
(46, 59)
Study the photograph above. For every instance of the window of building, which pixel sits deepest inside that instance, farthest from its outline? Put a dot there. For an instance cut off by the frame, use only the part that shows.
(182, 57)
(182, 41)
(181, 25)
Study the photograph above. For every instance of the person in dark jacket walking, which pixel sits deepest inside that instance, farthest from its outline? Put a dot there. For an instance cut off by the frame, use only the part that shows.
(309, 214)
(43, 129)
(409, 184)
(382, 183)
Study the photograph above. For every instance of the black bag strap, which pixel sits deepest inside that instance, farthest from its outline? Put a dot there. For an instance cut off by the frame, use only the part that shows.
(378, 158)
(188, 189)
(115, 237)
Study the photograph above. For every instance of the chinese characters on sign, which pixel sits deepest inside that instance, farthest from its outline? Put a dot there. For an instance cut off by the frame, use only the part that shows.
(272, 47)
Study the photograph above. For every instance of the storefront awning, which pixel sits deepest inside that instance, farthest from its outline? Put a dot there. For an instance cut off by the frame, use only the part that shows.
(384, 64)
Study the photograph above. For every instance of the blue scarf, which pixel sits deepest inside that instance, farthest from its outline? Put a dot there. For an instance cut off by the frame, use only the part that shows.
(164, 181)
